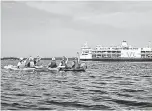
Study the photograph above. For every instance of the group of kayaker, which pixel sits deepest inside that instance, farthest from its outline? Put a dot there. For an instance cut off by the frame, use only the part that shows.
(64, 63)
(31, 62)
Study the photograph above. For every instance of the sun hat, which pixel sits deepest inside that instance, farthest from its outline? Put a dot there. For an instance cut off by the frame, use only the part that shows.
(53, 58)
(31, 58)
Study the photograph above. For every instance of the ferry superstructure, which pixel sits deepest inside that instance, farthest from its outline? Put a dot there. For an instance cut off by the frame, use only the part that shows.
(123, 52)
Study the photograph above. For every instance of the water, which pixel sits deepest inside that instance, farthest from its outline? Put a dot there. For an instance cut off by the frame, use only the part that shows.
(105, 85)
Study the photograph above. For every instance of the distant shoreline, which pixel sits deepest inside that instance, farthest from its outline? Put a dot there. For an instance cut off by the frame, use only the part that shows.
(46, 58)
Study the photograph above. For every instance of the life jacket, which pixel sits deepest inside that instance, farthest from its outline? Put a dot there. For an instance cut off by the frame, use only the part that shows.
(35, 62)
(63, 63)
(30, 64)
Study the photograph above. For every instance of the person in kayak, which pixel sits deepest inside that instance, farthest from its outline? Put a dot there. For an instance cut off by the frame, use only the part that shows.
(64, 62)
(53, 63)
(37, 61)
(21, 63)
(76, 64)
(31, 62)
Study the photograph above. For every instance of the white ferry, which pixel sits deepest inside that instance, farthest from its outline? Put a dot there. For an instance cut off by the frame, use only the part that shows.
(124, 52)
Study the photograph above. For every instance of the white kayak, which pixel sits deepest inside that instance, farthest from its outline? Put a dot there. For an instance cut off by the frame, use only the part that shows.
(15, 68)
(41, 69)
(53, 69)
(45, 69)
(23, 69)
(36, 68)
(61, 67)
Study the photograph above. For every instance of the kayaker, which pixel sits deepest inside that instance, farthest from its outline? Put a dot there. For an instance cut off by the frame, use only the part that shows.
(37, 61)
(31, 62)
(76, 64)
(21, 63)
(53, 63)
(64, 62)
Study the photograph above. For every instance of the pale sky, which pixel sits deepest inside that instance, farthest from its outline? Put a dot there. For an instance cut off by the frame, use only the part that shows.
(60, 28)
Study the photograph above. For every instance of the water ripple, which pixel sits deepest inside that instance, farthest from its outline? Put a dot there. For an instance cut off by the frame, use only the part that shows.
(104, 86)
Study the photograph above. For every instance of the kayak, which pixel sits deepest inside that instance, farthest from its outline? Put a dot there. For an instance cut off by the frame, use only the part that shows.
(53, 69)
(38, 67)
(44, 69)
(83, 67)
(15, 68)
(76, 70)
(24, 69)
(61, 67)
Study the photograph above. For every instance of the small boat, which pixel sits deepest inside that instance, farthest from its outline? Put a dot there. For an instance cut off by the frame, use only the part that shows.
(41, 69)
(15, 68)
(58, 69)
(24, 69)
(53, 69)
(45, 69)
(75, 70)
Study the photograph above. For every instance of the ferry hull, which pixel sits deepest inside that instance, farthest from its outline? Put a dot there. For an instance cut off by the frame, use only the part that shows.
(120, 59)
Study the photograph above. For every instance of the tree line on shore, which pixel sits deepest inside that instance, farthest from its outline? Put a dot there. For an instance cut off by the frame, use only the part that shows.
(46, 58)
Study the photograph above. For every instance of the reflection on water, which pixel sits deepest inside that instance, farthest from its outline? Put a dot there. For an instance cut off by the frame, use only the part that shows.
(105, 85)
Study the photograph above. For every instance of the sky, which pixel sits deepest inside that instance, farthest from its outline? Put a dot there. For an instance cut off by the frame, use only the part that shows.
(58, 28)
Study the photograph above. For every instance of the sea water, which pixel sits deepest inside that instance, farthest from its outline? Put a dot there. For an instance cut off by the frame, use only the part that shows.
(104, 86)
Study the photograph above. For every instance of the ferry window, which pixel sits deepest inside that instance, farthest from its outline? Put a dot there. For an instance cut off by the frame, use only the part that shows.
(86, 51)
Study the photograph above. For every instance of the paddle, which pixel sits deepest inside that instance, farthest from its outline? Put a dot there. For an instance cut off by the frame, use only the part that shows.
(78, 57)
(26, 61)
(66, 60)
